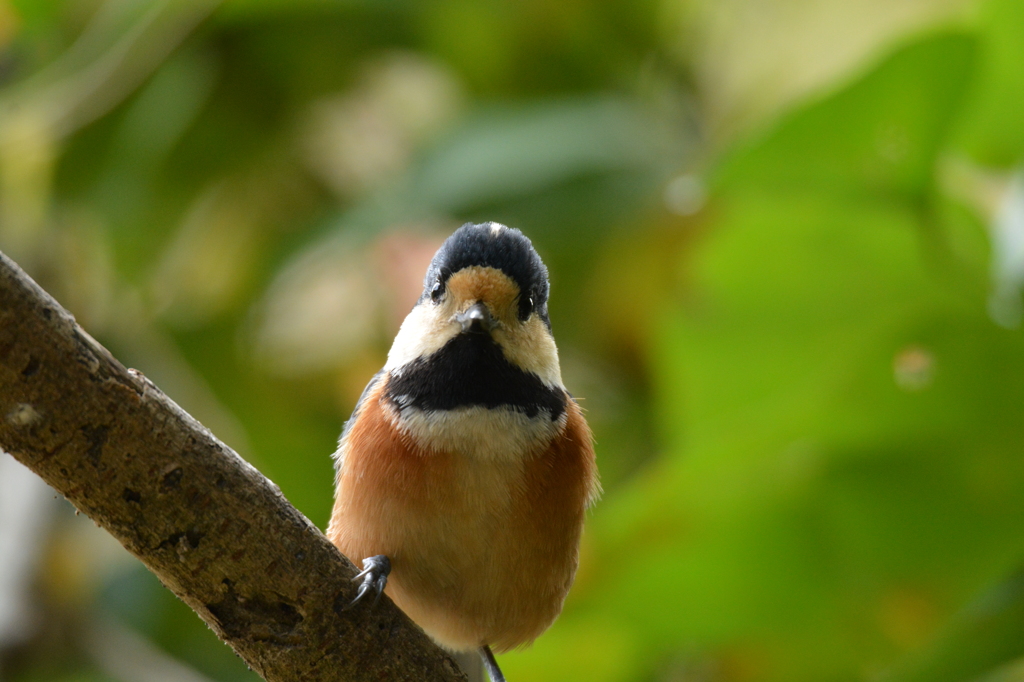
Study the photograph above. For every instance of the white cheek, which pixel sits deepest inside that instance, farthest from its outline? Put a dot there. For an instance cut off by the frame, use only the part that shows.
(532, 348)
(425, 331)
(429, 327)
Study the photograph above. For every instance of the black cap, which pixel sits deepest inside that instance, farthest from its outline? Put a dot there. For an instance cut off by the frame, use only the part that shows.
(495, 246)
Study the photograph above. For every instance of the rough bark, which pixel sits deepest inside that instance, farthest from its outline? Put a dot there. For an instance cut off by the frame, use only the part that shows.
(213, 529)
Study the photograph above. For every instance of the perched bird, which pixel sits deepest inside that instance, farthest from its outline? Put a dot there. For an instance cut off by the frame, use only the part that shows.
(466, 470)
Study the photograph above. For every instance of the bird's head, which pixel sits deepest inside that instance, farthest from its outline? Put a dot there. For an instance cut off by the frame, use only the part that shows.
(486, 282)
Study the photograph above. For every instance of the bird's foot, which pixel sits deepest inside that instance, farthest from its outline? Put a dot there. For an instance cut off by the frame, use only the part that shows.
(491, 664)
(374, 576)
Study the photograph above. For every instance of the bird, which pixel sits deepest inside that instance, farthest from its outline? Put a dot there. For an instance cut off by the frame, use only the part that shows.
(466, 470)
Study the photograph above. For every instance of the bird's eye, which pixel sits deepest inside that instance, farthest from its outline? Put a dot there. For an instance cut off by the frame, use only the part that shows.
(437, 292)
(525, 308)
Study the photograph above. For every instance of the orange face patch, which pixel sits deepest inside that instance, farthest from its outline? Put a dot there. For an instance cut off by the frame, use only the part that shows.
(490, 285)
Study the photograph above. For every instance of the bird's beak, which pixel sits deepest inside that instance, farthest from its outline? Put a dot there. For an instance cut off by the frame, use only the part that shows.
(476, 318)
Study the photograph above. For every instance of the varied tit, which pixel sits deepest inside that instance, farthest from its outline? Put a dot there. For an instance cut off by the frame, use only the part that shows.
(466, 470)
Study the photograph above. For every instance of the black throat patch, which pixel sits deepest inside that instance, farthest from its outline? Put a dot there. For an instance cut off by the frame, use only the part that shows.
(471, 370)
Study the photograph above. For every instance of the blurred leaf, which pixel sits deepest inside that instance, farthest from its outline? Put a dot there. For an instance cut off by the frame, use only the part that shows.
(512, 152)
(879, 135)
(1012, 672)
(609, 654)
(985, 635)
(37, 12)
(261, 9)
(755, 58)
(993, 130)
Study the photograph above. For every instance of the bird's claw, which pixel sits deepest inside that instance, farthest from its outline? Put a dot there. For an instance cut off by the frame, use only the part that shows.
(374, 576)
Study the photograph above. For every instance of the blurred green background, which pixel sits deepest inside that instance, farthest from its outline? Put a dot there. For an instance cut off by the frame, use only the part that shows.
(786, 243)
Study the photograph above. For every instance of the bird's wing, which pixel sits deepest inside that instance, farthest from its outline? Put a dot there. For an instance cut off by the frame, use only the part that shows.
(339, 454)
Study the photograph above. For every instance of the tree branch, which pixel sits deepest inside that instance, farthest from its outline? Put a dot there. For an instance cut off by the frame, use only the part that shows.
(213, 529)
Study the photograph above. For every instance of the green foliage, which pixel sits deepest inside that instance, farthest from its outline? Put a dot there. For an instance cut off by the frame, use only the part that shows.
(993, 131)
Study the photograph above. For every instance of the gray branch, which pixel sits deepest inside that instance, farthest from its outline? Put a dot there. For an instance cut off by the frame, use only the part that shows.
(213, 529)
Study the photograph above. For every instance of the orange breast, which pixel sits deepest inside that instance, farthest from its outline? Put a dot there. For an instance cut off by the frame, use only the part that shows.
(483, 551)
